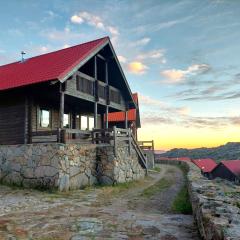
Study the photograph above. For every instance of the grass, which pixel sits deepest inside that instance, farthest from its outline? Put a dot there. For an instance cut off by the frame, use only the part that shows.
(107, 192)
(157, 169)
(181, 203)
(161, 185)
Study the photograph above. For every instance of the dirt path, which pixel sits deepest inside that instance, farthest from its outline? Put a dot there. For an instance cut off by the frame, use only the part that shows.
(127, 212)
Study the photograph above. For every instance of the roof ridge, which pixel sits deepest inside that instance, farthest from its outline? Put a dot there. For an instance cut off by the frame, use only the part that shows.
(98, 39)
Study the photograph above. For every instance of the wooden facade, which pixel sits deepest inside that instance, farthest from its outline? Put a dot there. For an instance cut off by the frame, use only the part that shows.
(222, 171)
(65, 110)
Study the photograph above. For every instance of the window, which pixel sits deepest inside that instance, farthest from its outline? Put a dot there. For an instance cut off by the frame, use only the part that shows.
(87, 122)
(66, 120)
(84, 122)
(90, 123)
(44, 118)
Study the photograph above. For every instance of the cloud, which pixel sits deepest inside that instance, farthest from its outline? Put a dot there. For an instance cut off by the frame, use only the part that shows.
(162, 25)
(157, 54)
(178, 75)
(140, 42)
(64, 35)
(157, 112)
(66, 46)
(76, 19)
(210, 90)
(96, 22)
(158, 105)
(137, 67)
(122, 59)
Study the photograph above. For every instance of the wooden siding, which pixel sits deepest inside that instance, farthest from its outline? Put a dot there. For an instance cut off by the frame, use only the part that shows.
(12, 121)
(222, 172)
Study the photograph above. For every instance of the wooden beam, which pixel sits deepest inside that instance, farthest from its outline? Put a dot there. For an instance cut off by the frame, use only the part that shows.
(61, 111)
(107, 94)
(96, 93)
(30, 107)
(126, 119)
(106, 117)
(26, 122)
(101, 57)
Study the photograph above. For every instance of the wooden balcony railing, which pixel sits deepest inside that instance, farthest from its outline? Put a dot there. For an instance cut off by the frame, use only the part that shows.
(75, 136)
(86, 84)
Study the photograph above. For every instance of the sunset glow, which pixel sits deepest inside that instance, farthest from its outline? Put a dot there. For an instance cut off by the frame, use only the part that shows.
(182, 57)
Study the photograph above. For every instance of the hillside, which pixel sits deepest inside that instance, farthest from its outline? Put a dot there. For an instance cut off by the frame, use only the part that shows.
(229, 151)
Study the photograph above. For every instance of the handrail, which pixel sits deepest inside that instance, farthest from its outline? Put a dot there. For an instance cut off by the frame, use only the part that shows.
(139, 151)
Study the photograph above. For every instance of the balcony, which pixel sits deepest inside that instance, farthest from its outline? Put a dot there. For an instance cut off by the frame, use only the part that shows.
(87, 88)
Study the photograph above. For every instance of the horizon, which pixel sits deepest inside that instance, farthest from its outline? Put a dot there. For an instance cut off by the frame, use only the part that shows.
(182, 57)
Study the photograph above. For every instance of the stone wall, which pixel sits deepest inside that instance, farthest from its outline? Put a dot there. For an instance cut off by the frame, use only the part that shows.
(216, 205)
(52, 165)
(149, 154)
(121, 168)
(66, 166)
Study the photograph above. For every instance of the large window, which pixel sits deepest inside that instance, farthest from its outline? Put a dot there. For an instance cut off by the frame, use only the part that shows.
(90, 123)
(44, 118)
(66, 120)
(84, 122)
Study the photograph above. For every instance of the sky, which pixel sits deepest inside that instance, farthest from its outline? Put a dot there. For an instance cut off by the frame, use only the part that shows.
(182, 57)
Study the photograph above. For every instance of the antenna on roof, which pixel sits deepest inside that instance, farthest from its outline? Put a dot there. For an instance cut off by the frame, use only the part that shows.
(23, 53)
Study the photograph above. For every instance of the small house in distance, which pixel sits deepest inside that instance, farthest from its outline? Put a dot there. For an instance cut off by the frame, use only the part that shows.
(229, 170)
(206, 165)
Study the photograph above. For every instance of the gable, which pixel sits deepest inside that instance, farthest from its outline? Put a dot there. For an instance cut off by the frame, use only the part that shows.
(46, 67)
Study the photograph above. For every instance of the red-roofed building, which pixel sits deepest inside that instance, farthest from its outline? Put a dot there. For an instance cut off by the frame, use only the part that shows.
(62, 95)
(206, 165)
(229, 170)
(132, 116)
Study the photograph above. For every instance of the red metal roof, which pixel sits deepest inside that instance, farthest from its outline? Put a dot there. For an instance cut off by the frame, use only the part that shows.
(120, 116)
(206, 165)
(233, 166)
(50, 66)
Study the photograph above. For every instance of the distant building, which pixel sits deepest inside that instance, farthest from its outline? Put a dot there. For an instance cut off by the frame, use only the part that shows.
(206, 165)
(185, 159)
(229, 170)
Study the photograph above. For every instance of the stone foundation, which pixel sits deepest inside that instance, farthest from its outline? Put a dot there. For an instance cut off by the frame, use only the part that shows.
(122, 168)
(215, 203)
(66, 166)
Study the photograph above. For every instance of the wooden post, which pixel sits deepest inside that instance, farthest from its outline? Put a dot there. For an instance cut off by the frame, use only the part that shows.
(25, 129)
(106, 115)
(30, 104)
(96, 93)
(107, 95)
(126, 119)
(61, 112)
(115, 140)
(129, 141)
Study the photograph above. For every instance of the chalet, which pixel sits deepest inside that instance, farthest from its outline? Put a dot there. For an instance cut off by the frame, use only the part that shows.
(61, 96)
(206, 165)
(229, 170)
(52, 128)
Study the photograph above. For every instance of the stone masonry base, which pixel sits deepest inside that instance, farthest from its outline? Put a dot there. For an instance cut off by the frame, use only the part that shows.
(66, 166)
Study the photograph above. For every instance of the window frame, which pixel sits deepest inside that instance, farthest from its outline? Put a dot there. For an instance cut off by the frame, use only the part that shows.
(39, 117)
